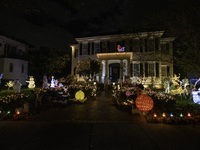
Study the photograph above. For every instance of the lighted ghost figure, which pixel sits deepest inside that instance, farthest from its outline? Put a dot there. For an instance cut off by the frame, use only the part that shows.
(31, 82)
(45, 82)
(9, 84)
(53, 82)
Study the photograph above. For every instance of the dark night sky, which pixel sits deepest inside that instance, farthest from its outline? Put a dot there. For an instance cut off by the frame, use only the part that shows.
(55, 23)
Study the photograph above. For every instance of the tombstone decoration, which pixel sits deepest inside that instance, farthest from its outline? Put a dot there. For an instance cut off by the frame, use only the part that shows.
(1, 76)
(31, 82)
(45, 82)
(17, 86)
(144, 102)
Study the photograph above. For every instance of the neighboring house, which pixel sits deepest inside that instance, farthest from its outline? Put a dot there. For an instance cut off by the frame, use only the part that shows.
(13, 61)
(145, 57)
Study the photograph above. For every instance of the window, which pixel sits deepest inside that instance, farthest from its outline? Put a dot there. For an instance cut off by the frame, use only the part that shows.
(11, 67)
(151, 45)
(85, 49)
(136, 70)
(97, 47)
(136, 45)
(22, 68)
(146, 70)
(157, 70)
(80, 49)
(92, 48)
(151, 69)
(88, 48)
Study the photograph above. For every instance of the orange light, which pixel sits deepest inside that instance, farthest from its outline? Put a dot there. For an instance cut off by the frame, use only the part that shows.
(18, 112)
(154, 115)
(189, 115)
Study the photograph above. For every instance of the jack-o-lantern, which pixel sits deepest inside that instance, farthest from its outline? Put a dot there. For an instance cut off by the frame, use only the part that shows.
(80, 95)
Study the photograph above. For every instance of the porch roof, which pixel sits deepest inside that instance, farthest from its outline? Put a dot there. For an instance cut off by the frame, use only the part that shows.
(118, 55)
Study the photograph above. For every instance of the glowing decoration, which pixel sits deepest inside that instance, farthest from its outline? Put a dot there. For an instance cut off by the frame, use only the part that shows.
(18, 112)
(164, 115)
(196, 84)
(118, 87)
(80, 95)
(181, 115)
(0, 111)
(31, 82)
(9, 84)
(120, 49)
(189, 115)
(1, 76)
(128, 93)
(177, 89)
(144, 102)
(8, 112)
(154, 115)
(171, 115)
(65, 92)
(53, 82)
(196, 96)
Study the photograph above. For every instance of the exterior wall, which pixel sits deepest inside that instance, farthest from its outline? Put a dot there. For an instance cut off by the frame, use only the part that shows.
(145, 47)
(17, 69)
(12, 51)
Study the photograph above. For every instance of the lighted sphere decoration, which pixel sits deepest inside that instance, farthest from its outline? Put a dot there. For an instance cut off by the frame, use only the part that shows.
(144, 102)
(128, 93)
(80, 95)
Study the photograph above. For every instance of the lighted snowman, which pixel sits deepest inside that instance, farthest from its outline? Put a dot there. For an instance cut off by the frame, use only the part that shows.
(31, 82)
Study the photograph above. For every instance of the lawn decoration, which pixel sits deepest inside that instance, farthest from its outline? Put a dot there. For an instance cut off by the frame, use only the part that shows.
(17, 86)
(65, 92)
(53, 82)
(176, 88)
(9, 84)
(45, 82)
(144, 102)
(1, 76)
(80, 96)
(128, 93)
(31, 82)
(166, 85)
(196, 94)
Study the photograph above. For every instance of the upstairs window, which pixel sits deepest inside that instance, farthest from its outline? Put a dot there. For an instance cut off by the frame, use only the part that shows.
(11, 67)
(22, 68)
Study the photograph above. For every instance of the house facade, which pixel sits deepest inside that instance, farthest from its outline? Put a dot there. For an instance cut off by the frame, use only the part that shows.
(145, 57)
(13, 61)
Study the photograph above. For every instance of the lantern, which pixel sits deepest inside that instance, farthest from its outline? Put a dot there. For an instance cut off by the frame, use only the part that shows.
(144, 102)
(189, 115)
(154, 115)
(80, 95)
(181, 115)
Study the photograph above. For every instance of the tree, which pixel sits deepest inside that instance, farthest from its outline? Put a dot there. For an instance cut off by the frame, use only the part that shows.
(88, 68)
(48, 61)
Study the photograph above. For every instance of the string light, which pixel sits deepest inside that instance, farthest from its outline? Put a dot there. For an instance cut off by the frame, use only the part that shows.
(18, 112)
(189, 115)
(164, 115)
(171, 115)
(8, 111)
(154, 115)
(181, 115)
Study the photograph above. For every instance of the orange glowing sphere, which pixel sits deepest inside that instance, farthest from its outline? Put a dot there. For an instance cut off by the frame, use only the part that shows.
(144, 102)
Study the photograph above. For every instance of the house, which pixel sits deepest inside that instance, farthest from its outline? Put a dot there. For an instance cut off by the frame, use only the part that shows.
(145, 57)
(13, 59)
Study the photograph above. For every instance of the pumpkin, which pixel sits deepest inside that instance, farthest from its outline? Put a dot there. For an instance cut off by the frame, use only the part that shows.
(80, 95)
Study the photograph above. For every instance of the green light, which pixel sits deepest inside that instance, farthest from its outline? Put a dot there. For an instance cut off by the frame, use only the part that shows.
(8, 111)
(181, 115)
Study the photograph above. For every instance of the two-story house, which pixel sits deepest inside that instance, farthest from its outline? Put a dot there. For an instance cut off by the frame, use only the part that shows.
(13, 60)
(145, 57)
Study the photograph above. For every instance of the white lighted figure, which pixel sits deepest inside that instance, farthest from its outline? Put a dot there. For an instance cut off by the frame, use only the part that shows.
(196, 94)
(9, 84)
(31, 82)
(45, 82)
(53, 81)
(17, 86)
(1, 76)
(65, 92)
(177, 89)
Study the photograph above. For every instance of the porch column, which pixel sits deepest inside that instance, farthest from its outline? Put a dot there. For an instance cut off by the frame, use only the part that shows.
(128, 68)
(100, 72)
(106, 74)
(121, 71)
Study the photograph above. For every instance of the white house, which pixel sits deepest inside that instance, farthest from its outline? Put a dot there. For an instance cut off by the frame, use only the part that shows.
(145, 57)
(13, 61)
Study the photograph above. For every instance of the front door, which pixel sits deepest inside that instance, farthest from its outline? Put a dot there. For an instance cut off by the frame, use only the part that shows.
(114, 73)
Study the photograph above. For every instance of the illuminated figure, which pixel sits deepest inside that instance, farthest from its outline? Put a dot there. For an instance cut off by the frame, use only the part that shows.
(120, 49)
(1, 76)
(53, 82)
(31, 82)
(9, 84)
(176, 88)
